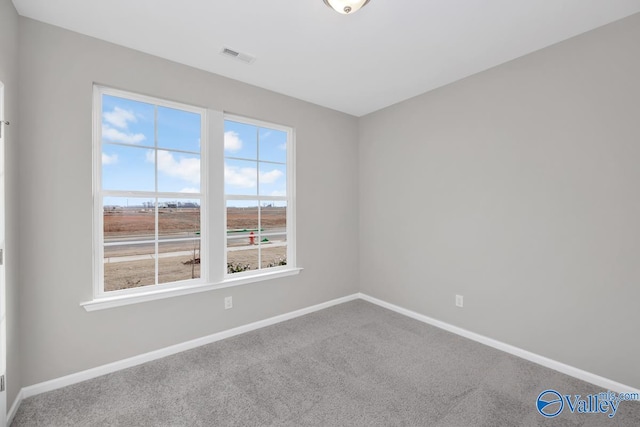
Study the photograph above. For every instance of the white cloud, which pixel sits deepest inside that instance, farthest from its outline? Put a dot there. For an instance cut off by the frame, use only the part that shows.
(240, 177)
(109, 159)
(247, 177)
(232, 141)
(119, 118)
(189, 190)
(283, 146)
(270, 177)
(114, 135)
(281, 193)
(185, 168)
(115, 126)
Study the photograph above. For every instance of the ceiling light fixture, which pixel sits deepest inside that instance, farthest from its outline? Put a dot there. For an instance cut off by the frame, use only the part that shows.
(346, 7)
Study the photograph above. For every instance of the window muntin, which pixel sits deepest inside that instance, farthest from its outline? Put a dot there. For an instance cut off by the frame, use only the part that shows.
(150, 192)
(257, 195)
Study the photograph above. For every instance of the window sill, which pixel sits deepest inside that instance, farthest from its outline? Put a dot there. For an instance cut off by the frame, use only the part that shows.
(111, 302)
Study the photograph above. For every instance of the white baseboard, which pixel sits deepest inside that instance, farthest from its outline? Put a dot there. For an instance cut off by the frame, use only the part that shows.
(605, 383)
(57, 383)
(14, 407)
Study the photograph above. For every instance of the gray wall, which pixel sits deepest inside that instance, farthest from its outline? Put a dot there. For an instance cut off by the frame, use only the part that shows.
(9, 76)
(518, 188)
(59, 337)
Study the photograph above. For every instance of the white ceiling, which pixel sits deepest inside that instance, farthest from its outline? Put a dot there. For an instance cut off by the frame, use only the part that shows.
(389, 51)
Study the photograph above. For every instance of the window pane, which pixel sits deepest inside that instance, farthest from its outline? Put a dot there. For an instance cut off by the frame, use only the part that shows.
(129, 266)
(273, 145)
(242, 217)
(241, 256)
(178, 218)
(265, 178)
(273, 179)
(178, 261)
(151, 149)
(178, 129)
(128, 219)
(120, 252)
(273, 254)
(178, 172)
(240, 140)
(273, 219)
(241, 177)
(127, 122)
(127, 168)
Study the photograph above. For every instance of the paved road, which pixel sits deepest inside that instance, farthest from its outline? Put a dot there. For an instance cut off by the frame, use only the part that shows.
(275, 234)
(127, 249)
(114, 259)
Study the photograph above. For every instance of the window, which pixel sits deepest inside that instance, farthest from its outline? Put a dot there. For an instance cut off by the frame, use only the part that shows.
(256, 195)
(187, 198)
(151, 191)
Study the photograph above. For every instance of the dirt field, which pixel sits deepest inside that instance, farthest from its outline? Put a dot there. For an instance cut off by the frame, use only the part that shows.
(127, 223)
(134, 274)
(122, 225)
(241, 218)
(270, 255)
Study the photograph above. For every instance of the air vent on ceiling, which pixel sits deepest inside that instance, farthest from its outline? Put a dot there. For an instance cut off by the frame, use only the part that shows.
(238, 55)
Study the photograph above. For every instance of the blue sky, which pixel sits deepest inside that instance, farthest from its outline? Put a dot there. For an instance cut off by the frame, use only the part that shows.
(131, 167)
(245, 176)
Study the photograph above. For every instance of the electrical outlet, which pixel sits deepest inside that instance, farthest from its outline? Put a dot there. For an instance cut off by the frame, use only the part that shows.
(459, 300)
(228, 303)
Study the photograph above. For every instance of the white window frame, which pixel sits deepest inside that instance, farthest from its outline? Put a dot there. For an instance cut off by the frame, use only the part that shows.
(99, 193)
(213, 268)
(289, 198)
